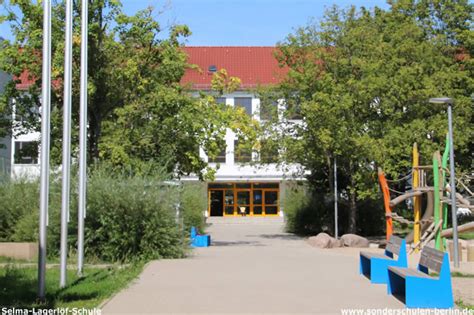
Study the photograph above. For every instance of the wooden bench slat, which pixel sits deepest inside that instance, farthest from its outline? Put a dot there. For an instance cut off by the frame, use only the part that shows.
(394, 245)
(375, 255)
(404, 272)
(431, 258)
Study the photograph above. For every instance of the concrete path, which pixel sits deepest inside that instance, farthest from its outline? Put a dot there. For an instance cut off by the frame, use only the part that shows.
(252, 268)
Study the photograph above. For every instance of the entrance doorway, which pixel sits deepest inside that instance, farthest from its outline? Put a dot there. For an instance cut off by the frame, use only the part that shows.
(216, 203)
(256, 199)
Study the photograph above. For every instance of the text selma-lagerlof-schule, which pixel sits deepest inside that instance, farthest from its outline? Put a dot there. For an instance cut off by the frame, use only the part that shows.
(51, 311)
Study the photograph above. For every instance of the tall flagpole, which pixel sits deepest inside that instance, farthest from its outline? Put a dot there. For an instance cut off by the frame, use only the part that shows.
(82, 141)
(45, 130)
(66, 163)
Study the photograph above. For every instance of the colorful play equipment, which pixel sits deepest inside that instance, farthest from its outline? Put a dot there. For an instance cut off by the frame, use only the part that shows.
(433, 223)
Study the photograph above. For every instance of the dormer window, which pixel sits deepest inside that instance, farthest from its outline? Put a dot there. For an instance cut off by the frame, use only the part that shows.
(212, 69)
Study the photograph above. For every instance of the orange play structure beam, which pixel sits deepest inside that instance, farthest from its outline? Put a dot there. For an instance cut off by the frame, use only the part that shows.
(386, 202)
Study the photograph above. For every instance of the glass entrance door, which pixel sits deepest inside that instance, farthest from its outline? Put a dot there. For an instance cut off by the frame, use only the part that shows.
(255, 199)
(243, 202)
(271, 202)
(258, 202)
(229, 202)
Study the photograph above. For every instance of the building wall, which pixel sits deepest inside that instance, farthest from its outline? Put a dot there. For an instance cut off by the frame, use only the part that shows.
(5, 142)
(20, 170)
(231, 170)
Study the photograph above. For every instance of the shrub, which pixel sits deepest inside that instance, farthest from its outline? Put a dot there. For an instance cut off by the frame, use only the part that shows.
(309, 213)
(18, 200)
(305, 213)
(193, 203)
(129, 217)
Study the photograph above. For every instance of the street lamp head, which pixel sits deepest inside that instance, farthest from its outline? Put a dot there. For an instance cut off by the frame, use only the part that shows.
(442, 100)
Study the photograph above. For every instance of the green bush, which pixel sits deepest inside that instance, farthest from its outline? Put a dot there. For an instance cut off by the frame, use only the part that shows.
(18, 200)
(193, 203)
(305, 214)
(129, 217)
(309, 213)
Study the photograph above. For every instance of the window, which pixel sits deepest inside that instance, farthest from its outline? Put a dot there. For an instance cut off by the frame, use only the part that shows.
(242, 154)
(245, 103)
(220, 158)
(26, 152)
(268, 110)
(220, 100)
(294, 111)
(293, 107)
(268, 151)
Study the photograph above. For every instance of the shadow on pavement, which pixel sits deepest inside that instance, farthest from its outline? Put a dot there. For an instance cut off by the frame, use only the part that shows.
(278, 236)
(238, 243)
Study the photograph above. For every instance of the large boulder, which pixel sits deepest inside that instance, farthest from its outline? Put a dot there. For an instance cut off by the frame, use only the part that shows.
(324, 240)
(353, 240)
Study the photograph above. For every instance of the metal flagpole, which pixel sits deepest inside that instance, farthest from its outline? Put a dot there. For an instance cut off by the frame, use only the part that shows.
(449, 101)
(335, 199)
(453, 187)
(66, 141)
(45, 130)
(82, 141)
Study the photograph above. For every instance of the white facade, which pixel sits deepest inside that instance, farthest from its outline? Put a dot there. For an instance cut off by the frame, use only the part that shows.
(233, 171)
(21, 164)
(229, 170)
(25, 168)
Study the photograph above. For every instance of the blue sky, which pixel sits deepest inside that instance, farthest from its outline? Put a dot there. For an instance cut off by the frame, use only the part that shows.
(236, 22)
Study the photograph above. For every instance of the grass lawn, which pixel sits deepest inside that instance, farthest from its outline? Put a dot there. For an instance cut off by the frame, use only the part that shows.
(462, 305)
(6, 260)
(18, 286)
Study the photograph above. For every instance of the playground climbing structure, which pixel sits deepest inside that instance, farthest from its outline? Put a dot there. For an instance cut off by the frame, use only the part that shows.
(433, 223)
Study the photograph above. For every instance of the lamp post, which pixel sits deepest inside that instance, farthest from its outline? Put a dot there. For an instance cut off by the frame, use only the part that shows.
(449, 101)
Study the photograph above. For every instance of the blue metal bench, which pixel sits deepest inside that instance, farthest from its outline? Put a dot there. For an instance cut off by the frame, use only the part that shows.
(417, 288)
(198, 240)
(374, 265)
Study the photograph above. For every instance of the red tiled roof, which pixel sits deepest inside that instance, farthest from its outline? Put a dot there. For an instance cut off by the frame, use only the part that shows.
(252, 65)
(25, 81)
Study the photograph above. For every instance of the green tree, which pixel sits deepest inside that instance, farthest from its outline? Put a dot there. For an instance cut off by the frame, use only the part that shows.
(170, 125)
(138, 111)
(125, 58)
(362, 79)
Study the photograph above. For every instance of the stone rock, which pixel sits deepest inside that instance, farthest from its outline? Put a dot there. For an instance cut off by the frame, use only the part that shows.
(337, 243)
(353, 240)
(324, 240)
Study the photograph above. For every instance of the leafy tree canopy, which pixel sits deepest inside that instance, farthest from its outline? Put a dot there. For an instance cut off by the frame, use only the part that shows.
(137, 109)
(363, 79)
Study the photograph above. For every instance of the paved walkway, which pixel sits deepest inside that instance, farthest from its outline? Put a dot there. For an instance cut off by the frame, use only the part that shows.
(252, 268)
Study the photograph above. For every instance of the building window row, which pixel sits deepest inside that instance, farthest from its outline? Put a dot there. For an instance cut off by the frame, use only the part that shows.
(266, 153)
(267, 109)
(26, 152)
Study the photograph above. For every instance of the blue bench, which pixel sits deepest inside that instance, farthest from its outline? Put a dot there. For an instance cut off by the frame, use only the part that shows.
(374, 265)
(198, 240)
(417, 288)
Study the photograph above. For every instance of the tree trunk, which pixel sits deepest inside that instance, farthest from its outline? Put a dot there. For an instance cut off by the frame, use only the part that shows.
(95, 131)
(330, 166)
(98, 99)
(352, 228)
